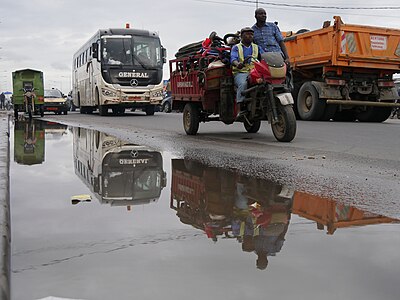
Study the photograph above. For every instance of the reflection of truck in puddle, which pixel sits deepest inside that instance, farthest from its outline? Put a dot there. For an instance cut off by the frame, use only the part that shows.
(332, 214)
(117, 172)
(29, 142)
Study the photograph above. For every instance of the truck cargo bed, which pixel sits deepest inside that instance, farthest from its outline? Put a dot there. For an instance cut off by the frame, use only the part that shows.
(346, 45)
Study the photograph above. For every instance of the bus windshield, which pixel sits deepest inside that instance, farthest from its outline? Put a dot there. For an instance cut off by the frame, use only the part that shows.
(140, 51)
(132, 184)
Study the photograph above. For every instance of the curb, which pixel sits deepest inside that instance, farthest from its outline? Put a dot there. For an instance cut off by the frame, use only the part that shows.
(5, 226)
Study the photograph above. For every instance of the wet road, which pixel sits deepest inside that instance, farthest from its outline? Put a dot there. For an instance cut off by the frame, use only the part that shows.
(101, 218)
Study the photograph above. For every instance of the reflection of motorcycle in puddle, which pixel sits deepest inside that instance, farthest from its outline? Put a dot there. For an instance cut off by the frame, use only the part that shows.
(256, 212)
(117, 172)
(29, 142)
(225, 204)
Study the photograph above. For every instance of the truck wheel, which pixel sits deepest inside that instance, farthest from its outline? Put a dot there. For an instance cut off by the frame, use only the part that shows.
(381, 114)
(329, 113)
(191, 119)
(253, 127)
(285, 129)
(309, 106)
(150, 110)
(345, 116)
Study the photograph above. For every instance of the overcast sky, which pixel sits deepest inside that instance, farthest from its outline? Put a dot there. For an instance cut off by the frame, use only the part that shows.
(44, 34)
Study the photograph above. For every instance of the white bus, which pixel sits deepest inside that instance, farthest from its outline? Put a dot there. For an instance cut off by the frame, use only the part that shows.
(119, 69)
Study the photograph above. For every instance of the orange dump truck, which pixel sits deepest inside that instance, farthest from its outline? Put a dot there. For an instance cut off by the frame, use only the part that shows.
(344, 72)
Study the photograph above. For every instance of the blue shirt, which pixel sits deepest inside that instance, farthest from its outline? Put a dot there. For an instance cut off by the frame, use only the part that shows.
(268, 37)
(247, 51)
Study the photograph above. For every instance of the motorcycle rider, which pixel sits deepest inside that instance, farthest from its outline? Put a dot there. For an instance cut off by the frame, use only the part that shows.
(268, 36)
(242, 61)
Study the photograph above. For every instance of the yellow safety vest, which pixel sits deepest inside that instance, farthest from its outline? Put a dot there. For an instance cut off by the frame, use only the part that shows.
(248, 66)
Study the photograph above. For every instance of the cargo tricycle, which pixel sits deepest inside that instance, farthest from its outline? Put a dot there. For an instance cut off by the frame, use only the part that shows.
(202, 87)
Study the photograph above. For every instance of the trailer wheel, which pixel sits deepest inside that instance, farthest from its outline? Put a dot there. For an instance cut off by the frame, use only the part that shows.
(309, 106)
(285, 129)
(191, 119)
(252, 127)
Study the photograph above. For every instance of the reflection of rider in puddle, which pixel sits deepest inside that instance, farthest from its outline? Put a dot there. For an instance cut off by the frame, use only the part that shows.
(260, 227)
(29, 138)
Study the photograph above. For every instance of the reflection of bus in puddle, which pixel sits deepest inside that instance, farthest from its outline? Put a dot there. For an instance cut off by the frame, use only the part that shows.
(117, 172)
(257, 212)
(29, 142)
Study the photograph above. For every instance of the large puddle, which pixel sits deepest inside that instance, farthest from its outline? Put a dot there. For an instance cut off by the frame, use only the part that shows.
(94, 217)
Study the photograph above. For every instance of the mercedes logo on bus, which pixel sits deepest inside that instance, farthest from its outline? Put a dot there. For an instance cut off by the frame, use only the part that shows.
(134, 82)
(134, 153)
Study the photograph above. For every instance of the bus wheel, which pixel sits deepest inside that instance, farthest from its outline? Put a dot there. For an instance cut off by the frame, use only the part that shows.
(103, 110)
(150, 110)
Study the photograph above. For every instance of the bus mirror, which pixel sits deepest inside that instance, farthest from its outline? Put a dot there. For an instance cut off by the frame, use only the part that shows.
(95, 50)
(164, 54)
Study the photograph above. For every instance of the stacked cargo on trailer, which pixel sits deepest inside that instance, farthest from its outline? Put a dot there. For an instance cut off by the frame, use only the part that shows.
(345, 72)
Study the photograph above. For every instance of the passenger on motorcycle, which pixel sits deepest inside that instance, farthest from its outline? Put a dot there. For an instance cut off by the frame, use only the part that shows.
(243, 56)
(268, 36)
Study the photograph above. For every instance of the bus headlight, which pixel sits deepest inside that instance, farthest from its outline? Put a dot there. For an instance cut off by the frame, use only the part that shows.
(108, 93)
(157, 94)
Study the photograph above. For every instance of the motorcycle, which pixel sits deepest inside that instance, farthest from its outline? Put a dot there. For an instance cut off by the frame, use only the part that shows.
(29, 100)
(268, 98)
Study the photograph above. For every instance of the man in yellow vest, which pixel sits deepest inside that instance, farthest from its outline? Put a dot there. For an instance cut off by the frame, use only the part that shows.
(243, 56)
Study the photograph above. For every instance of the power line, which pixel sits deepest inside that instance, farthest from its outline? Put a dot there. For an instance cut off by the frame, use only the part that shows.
(320, 6)
(298, 9)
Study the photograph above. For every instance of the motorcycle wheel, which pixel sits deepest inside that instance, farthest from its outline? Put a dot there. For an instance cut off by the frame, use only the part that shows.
(253, 127)
(191, 119)
(30, 111)
(285, 129)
